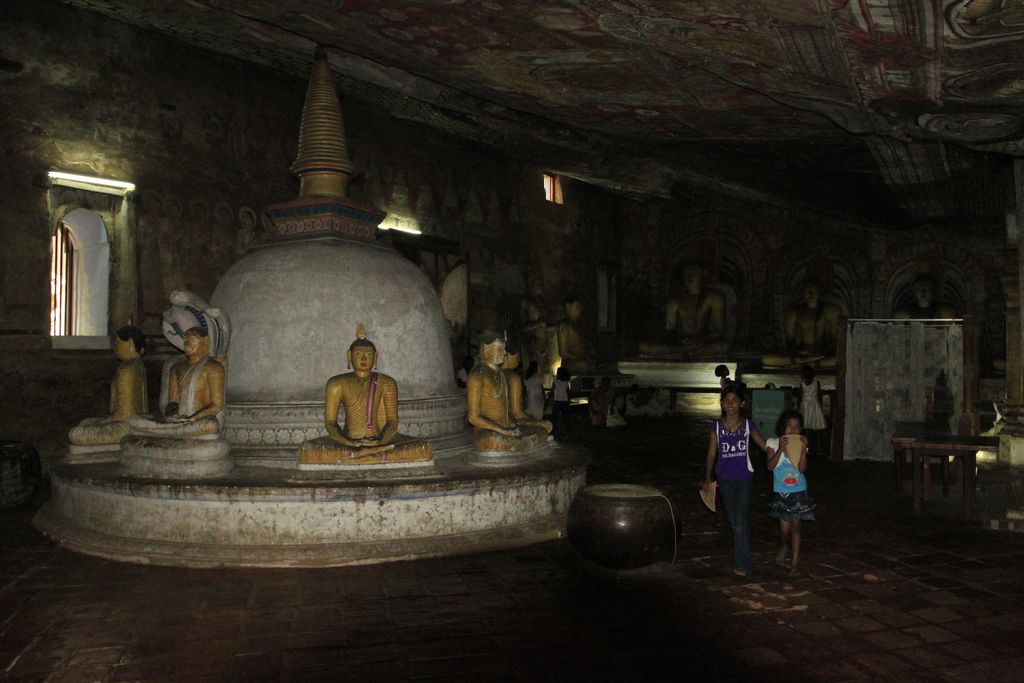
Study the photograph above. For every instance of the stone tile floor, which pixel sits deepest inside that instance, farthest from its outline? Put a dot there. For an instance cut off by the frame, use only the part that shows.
(884, 596)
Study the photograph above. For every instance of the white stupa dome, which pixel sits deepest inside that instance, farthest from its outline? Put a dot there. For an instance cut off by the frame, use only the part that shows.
(294, 310)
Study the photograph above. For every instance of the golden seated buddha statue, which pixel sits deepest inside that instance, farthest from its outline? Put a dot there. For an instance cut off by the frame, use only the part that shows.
(195, 396)
(812, 329)
(575, 355)
(183, 440)
(924, 305)
(127, 398)
(694, 320)
(370, 434)
(498, 419)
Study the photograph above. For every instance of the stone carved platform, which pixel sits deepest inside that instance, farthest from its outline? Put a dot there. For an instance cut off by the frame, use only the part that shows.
(257, 516)
(92, 454)
(326, 453)
(675, 374)
(484, 458)
(268, 434)
(159, 458)
(787, 378)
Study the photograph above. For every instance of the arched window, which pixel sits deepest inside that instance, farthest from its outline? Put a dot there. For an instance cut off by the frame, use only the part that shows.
(553, 188)
(61, 273)
(79, 276)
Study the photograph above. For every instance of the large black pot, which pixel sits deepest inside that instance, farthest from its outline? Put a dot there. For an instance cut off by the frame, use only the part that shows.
(19, 473)
(622, 526)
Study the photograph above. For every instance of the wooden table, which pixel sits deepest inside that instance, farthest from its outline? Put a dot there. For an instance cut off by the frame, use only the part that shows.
(922, 446)
(902, 439)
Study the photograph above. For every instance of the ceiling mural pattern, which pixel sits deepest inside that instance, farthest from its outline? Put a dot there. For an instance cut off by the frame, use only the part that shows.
(632, 79)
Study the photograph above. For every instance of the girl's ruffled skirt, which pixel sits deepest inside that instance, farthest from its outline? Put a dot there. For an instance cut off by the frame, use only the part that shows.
(790, 506)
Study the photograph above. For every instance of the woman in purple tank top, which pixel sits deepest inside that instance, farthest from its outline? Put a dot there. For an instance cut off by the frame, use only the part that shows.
(728, 455)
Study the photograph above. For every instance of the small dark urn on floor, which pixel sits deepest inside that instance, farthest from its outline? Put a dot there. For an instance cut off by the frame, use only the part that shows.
(622, 526)
(19, 473)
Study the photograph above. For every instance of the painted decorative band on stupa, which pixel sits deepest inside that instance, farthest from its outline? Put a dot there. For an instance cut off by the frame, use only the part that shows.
(324, 215)
(258, 425)
(324, 170)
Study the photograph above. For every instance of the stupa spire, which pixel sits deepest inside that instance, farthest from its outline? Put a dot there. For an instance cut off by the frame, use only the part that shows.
(323, 208)
(322, 164)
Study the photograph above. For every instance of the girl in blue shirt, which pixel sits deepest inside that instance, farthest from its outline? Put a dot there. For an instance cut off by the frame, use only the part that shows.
(790, 502)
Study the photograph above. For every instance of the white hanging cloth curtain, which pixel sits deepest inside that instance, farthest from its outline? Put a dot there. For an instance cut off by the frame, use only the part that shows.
(891, 366)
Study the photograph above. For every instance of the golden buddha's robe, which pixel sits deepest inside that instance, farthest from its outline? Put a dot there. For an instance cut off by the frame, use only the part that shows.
(811, 335)
(490, 409)
(572, 347)
(694, 325)
(127, 398)
(516, 390)
(813, 331)
(370, 435)
(197, 386)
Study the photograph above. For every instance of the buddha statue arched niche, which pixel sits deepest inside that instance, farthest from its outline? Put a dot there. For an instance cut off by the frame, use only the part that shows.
(534, 330)
(693, 320)
(924, 296)
(810, 320)
(573, 349)
(695, 314)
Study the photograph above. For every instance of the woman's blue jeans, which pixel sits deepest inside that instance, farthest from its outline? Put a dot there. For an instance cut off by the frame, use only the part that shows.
(736, 494)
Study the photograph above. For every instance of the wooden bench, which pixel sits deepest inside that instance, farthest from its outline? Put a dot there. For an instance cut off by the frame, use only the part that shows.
(921, 445)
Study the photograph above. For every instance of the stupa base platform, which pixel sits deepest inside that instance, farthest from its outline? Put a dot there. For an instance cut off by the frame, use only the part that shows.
(486, 458)
(342, 468)
(268, 434)
(162, 458)
(267, 517)
(91, 454)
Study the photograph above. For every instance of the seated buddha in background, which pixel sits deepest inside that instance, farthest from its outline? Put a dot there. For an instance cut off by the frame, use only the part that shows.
(572, 341)
(195, 395)
(811, 332)
(370, 433)
(127, 394)
(499, 422)
(694, 319)
(925, 306)
(517, 390)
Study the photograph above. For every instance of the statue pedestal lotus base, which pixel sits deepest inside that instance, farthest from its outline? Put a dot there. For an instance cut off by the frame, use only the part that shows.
(491, 449)
(263, 516)
(85, 454)
(530, 439)
(326, 453)
(163, 458)
(267, 435)
(504, 458)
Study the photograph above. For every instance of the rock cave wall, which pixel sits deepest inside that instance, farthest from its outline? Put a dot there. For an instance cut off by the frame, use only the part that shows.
(208, 141)
(760, 255)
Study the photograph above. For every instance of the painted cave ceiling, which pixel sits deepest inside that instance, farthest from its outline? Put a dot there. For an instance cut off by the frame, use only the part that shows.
(896, 112)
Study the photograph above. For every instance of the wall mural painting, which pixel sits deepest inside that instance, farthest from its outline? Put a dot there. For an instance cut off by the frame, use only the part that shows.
(248, 230)
(985, 22)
